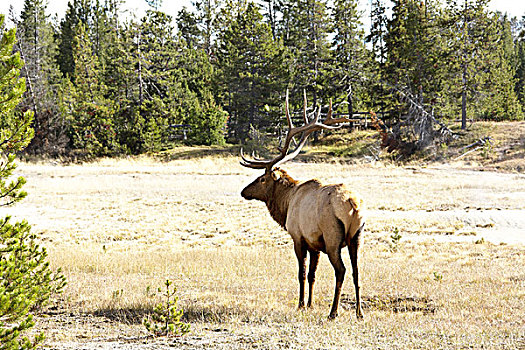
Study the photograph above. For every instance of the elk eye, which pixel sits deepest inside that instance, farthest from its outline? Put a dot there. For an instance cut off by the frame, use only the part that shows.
(263, 180)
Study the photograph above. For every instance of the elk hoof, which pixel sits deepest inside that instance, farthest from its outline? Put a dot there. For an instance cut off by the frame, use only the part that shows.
(358, 312)
(300, 306)
(332, 316)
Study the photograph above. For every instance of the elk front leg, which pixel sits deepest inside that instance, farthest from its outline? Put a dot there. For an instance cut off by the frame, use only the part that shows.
(300, 252)
(334, 255)
(314, 260)
(353, 248)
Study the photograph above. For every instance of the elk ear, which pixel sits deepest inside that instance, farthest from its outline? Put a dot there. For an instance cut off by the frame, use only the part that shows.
(275, 175)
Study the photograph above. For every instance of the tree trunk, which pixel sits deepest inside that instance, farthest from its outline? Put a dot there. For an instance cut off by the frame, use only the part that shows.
(28, 81)
(464, 75)
(463, 110)
(271, 14)
(350, 103)
(141, 91)
(464, 99)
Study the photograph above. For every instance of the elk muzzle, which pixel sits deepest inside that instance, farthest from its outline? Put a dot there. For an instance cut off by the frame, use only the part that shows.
(245, 193)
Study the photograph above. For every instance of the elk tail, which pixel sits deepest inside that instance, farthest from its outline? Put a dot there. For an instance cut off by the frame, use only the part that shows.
(357, 221)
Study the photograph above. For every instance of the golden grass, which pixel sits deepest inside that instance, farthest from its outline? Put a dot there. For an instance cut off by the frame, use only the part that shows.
(478, 300)
(119, 228)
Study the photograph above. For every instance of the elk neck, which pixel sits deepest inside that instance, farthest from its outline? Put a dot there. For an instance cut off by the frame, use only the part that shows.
(280, 199)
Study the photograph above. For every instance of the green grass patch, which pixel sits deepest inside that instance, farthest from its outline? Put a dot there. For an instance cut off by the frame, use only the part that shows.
(345, 144)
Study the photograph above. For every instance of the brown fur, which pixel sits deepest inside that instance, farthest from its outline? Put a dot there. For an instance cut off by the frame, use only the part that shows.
(279, 200)
(319, 218)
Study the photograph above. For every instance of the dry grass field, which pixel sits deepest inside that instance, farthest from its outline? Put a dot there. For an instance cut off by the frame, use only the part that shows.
(119, 228)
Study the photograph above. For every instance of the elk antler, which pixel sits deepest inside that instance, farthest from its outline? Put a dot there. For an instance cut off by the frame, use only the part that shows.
(305, 130)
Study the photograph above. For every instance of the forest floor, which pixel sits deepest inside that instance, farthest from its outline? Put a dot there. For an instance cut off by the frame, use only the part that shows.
(120, 228)
(505, 152)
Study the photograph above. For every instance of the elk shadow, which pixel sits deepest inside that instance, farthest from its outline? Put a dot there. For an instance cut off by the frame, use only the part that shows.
(130, 315)
(191, 313)
(396, 304)
(218, 314)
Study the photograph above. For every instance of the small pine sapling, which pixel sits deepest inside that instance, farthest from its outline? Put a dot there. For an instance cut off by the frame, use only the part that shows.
(395, 240)
(438, 276)
(166, 318)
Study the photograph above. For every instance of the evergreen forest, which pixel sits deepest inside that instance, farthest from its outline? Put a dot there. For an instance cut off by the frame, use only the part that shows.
(102, 82)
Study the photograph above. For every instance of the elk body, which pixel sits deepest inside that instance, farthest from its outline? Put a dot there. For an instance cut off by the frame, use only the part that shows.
(319, 218)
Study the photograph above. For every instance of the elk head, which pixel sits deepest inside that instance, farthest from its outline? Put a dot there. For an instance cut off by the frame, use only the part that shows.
(262, 187)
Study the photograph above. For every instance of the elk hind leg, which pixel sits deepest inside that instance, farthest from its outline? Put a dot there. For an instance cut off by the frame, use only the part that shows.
(314, 260)
(353, 249)
(300, 253)
(334, 239)
(337, 262)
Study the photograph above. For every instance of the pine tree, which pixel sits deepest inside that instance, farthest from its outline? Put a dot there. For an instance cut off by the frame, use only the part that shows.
(123, 87)
(195, 84)
(162, 81)
(479, 73)
(37, 47)
(166, 317)
(253, 74)
(351, 59)
(100, 21)
(404, 44)
(415, 48)
(272, 7)
(500, 101)
(103, 32)
(206, 119)
(396, 41)
(90, 113)
(26, 281)
(207, 21)
(376, 37)
(378, 30)
(66, 37)
(520, 64)
(412, 76)
(153, 55)
(78, 11)
(187, 24)
(137, 84)
(306, 27)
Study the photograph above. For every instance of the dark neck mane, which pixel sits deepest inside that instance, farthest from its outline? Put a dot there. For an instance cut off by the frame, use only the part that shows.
(280, 199)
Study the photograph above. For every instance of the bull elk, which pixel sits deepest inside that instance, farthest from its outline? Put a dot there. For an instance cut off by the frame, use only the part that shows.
(320, 218)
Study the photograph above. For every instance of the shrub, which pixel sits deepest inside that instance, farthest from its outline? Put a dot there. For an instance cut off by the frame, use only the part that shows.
(26, 281)
(166, 318)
